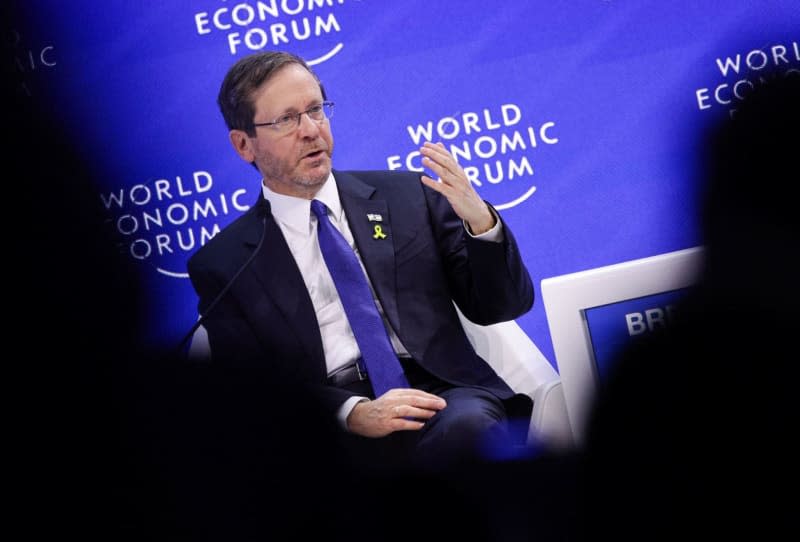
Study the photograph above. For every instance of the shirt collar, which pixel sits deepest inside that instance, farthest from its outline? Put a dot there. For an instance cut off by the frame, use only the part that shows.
(294, 212)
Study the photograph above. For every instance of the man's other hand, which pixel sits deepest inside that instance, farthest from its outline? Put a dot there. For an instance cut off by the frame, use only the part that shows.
(400, 409)
(454, 185)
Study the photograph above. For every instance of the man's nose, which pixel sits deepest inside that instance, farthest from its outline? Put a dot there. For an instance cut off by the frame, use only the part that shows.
(308, 127)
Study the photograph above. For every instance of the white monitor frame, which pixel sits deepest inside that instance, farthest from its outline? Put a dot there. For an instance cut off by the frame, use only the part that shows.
(567, 296)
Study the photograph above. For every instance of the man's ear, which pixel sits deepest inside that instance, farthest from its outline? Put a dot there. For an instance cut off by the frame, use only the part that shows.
(242, 146)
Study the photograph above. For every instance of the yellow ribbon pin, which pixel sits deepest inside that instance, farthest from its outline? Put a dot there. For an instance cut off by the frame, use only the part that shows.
(378, 232)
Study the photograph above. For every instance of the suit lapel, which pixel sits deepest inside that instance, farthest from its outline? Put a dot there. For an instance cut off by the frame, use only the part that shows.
(376, 247)
(276, 270)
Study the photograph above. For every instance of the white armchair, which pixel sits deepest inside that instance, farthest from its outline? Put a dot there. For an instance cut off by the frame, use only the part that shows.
(518, 361)
(514, 357)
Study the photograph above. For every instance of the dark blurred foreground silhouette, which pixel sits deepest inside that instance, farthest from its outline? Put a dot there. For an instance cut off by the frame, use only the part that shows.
(694, 433)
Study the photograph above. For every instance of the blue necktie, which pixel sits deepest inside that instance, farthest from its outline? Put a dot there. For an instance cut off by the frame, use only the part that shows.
(383, 367)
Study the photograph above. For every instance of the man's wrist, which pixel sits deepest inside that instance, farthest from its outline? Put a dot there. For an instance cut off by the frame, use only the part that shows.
(495, 233)
(343, 414)
(486, 224)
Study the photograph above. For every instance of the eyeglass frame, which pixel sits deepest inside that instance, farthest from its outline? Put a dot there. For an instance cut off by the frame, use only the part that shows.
(297, 116)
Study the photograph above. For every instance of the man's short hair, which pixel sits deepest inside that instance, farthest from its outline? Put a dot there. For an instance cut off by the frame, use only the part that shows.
(244, 77)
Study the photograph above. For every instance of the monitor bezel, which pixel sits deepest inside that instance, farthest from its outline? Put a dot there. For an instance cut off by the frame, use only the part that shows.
(566, 297)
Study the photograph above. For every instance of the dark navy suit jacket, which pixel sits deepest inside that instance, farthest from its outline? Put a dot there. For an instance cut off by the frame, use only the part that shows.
(426, 262)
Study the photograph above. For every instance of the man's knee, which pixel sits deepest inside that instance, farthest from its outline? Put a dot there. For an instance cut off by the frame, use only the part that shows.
(464, 428)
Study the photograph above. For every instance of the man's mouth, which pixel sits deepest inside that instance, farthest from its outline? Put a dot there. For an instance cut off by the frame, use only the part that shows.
(314, 154)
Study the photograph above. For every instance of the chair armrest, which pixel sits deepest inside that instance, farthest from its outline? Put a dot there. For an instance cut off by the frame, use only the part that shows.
(199, 349)
(517, 360)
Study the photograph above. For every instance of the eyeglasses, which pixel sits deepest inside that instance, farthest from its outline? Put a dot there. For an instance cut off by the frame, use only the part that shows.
(290, 121)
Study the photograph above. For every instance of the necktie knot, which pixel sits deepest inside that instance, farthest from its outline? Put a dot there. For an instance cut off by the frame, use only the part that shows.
(319, 209)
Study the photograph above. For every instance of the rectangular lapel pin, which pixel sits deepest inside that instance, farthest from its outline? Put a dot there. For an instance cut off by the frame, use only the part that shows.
(374, 218)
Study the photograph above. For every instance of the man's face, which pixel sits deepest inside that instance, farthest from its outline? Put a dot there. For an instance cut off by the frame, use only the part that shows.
(295, 163)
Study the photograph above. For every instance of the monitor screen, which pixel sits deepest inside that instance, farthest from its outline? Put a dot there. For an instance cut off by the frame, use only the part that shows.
(613, 326)
(592, 314)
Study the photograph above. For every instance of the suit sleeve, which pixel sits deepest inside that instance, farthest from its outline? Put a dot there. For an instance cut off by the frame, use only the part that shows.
(234, 343)
(488, 281)
(230, 336)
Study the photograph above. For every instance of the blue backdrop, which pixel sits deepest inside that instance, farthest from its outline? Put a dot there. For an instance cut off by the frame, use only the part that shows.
(579, 120)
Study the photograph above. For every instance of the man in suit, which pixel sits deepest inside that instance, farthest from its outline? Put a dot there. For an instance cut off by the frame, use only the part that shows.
(423, 243)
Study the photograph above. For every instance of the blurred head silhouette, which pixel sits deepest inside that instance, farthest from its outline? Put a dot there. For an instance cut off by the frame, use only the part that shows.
(693, 428)
(750, 220)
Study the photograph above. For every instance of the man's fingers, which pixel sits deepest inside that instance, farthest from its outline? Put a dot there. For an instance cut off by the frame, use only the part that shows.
(416, 398)
(410, 391)
(408, 411)
(436, 403)
(436, 151)
(402, 424)
(440, 162)
(437, 168)
(442, 188)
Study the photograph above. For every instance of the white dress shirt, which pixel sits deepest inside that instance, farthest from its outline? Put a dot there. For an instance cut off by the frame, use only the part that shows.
(299, 227)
